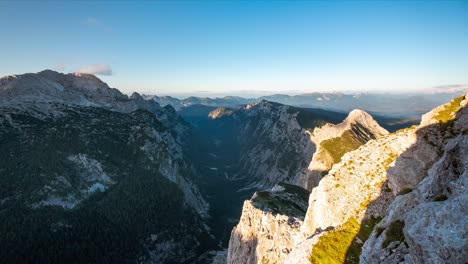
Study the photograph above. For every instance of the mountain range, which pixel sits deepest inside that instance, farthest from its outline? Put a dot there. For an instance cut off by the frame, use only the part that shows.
(91, 175)
(395, 105)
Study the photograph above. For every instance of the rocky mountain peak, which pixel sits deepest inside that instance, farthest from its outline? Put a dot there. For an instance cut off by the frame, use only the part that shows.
(358, 115)
(74, 89)
(261, 105)
(333, 141)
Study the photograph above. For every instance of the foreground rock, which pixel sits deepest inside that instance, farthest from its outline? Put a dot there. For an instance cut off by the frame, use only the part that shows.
(413, 179)
(268, 225)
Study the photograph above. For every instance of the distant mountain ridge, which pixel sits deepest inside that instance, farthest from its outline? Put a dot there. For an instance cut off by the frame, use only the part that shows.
(383, 104)
(227, 101)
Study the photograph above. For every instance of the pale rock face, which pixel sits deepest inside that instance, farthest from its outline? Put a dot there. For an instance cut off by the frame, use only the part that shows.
(60, 192)
(356, 116)
(261, 236)
(265, 233)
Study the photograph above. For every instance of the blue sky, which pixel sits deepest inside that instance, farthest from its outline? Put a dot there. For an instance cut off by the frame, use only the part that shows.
(237, 47)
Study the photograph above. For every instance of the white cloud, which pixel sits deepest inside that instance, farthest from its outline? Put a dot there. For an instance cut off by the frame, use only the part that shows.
(59, 67)
(97, 69)
(92, 21)
(453, 88)
(96, 23)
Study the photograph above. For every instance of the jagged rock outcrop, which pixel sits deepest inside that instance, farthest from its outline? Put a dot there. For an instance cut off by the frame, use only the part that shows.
(373, 181)
(268, 224)
(333, 141)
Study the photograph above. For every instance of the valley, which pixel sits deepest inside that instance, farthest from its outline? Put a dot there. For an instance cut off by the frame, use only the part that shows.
(217, 148)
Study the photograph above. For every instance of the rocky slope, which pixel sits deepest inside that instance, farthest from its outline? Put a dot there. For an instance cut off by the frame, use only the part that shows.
(81, 160)
(419, 171)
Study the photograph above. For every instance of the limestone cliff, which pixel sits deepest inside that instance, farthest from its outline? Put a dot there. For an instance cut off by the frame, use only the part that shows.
(267, 226)
(413, 179)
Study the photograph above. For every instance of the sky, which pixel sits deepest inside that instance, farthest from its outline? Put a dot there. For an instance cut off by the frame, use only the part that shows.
(241, 47)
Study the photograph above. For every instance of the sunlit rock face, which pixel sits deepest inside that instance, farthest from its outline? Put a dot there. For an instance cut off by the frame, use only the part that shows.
(269, 222)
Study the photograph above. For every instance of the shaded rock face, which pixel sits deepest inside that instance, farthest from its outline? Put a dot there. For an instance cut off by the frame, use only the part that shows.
(433, 216)
(269, 222)
(274, 146)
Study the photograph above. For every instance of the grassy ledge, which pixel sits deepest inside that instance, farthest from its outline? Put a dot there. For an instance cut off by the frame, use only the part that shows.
(344, 244)
(449, 111)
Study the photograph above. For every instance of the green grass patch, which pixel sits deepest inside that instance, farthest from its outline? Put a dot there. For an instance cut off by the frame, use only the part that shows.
(292, 201)
(394, 233)
(340, 245)
(379, 230)
(449, 111)
(339, 146)
(440, 198)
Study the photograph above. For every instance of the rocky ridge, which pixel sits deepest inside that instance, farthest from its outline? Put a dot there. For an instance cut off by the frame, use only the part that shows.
(333, 141)
(377, 177)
